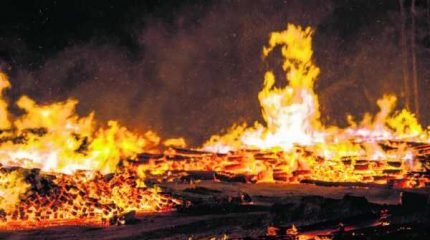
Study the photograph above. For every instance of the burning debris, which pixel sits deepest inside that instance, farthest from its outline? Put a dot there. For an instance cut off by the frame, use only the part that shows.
(59, 168)
(294, 146)
(84, 198)
(259, 166)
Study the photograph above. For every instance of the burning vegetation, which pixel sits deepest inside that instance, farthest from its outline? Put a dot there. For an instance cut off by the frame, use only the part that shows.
(59, 168)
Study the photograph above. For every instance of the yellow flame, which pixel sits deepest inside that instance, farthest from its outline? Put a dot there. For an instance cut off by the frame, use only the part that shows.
(57, 139)
(291, 113)
(292, 118)
(175, 142)
(77, 153)
(12, 187)
(4, 120)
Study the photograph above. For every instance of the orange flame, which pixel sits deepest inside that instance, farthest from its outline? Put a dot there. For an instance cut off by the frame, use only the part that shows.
(292, 126)
(81, 162)
(73, 152)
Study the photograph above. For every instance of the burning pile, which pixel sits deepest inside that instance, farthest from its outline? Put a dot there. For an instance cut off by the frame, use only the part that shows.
(378, 147)
(258, 166)
(33, 199)
(294, 146)
(60, 168)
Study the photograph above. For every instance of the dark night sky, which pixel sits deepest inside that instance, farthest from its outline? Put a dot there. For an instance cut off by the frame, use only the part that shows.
(193, 68)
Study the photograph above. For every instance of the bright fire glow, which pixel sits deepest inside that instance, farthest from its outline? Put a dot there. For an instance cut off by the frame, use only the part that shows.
(74, 155)
(293, 128)
(58, 166)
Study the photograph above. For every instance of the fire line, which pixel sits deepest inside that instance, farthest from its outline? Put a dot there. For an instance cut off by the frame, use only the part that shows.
(60, 168)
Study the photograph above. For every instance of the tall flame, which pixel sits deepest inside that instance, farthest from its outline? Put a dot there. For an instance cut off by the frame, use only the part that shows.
(86, 177)
(291, 113)
(292, 119)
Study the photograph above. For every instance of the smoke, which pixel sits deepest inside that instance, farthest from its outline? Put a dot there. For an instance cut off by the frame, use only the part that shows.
(359, 59)
(199, 70)
(191, 77)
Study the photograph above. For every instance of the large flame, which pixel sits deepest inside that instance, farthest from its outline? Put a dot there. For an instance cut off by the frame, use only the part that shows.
(56, 166)
(292, 125)
(64, 142)
(291, 113)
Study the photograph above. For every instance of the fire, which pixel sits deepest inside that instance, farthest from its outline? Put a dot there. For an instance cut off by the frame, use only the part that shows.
(12, 187)
(58, 166)
(293, 145)
(292, 127)
(60, 133)
(291, 114)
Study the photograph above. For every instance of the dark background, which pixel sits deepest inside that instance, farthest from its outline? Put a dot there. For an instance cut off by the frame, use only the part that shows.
(193, 68)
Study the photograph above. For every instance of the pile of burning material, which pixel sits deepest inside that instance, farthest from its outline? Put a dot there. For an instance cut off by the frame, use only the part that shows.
(33, 199)
(293, 145)
(245, 211)
(59, 168)
(254, 166)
